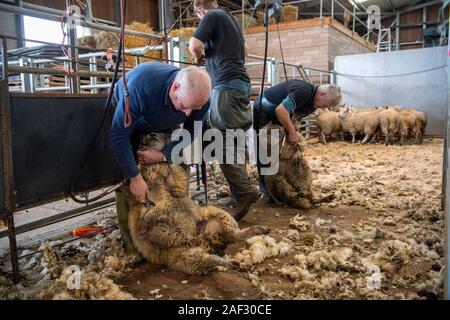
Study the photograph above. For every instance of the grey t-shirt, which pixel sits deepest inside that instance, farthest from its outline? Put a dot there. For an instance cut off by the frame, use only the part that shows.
(224, 47)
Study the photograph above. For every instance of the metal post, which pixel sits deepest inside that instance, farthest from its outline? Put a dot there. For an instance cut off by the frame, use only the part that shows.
(354, 15)
(243, 15)
(93, 67)
(424, 25)
(9, 194)
(321, 9)
(19, 26)
(274, 74)
(73, 52)
(24, 77)
(332, 9)
(205, 181)
(397, 31)
(446, 182)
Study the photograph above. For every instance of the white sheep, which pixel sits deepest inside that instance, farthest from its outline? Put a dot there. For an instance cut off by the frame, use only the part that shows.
(328, 123)
(360, 120)
(389, 124)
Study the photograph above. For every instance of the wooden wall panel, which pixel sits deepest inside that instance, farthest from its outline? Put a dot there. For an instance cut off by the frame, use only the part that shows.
(411, 34)
(56, 4)
(137, 10)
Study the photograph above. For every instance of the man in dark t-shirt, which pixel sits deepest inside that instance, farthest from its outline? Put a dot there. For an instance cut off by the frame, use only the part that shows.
(218, 41)
(282, 101)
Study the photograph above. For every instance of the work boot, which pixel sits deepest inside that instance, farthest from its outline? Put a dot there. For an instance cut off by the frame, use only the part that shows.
(244, 204)
(228, 202)
(268, 199)
(122, 215)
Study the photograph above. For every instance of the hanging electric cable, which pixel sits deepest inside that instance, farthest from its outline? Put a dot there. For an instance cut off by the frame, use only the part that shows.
(108, 106)
(282, 54)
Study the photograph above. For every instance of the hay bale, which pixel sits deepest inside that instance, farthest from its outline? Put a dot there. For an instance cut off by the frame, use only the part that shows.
(138, 42)
(249, 21)
(289, 13)
(2, 224)
(88, 41)
(260, 18)
(107, 40)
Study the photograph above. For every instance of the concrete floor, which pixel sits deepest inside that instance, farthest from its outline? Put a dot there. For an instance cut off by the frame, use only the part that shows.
(36, 237)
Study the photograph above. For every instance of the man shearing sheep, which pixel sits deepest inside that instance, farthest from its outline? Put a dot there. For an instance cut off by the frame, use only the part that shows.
(282, 101)
(161, 97)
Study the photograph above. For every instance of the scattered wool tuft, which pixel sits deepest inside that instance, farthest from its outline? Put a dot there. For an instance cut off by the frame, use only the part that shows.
(261, 248)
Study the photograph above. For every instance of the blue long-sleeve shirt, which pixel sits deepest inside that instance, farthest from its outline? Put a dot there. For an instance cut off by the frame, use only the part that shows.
(151, 111)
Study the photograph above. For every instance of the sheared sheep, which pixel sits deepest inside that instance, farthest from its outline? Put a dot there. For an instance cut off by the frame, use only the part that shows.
(360, 120)
(389, 124)
(328, 123)
(422, 119)
(409, 124)
(291, 185)
(175, 231)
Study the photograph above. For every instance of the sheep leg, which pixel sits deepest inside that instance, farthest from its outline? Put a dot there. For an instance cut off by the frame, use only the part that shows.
(246, 233)
(197, 261)
(353, 138)
(324, 140)
(365, 139)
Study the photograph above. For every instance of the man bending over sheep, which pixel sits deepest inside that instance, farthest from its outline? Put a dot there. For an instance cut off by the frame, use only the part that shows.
(161, 97)
(292, 97)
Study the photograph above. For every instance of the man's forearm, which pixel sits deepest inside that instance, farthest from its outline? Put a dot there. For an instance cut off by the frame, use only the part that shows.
(284, 117)
(196, 47)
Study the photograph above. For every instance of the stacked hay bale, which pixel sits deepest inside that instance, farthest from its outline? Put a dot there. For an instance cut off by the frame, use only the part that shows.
(2, 224)
(137, 42)
(184, 34)
(289, 13)
(88, 41)
(105, 40)
(260, 18)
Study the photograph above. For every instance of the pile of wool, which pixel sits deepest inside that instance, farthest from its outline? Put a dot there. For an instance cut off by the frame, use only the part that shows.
(261, 248)
(101, 260)
(301, 223)
(93, 286)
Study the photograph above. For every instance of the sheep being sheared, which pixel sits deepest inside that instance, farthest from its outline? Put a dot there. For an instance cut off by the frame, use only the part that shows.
(291, 185)
(176, 232)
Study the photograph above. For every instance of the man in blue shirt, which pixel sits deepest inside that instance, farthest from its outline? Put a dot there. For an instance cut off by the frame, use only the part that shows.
(161, 97)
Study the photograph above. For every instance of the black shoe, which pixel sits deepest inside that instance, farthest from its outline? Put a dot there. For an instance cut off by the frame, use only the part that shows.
(268, 199)
(228, 202)
(245, 203)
